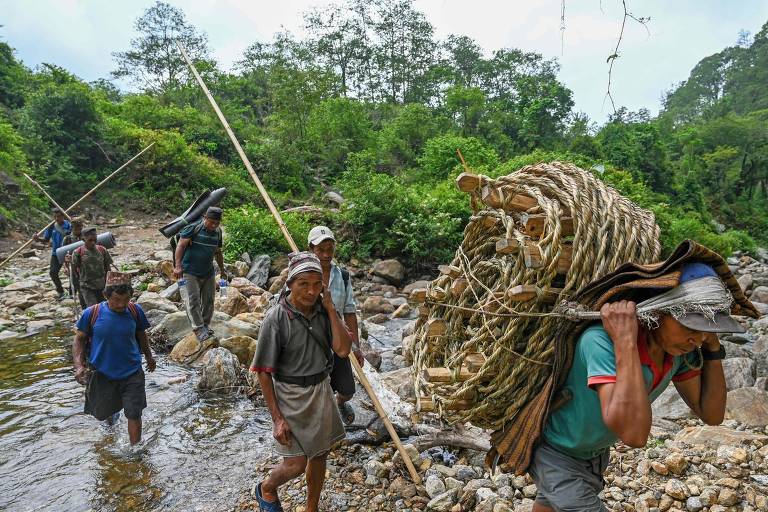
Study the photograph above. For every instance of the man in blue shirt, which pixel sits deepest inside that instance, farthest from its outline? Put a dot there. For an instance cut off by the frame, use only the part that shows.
(56, 234)
(198, 245)
(109, 342)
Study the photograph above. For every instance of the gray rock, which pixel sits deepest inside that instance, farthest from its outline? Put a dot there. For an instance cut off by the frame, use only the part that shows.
(246, 258)
(36, 326)
(162, 255)
(151, 300)
(376, 469)
(761, 307)
(171, 293)
(694, 504)
(22, 286)
(762, 383)
(377, 304)
(669, 405)
(391, 270)
(740, 372)
(760, 294)
(442, 502)
(334, 197)
(155, 316)
(745, 282)
(221, 372)
(465, 473)
(176, 326)
(8, 334)
(760, 324)
(748, 406)
(434, 486)
(259, 271)
(415, 285)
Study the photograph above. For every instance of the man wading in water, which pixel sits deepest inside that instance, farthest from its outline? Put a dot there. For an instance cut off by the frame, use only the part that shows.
(56, 234)
(619, 368)
(293, 359)
(110, 339)
(90, 264)
(199, 244)
(336, 280)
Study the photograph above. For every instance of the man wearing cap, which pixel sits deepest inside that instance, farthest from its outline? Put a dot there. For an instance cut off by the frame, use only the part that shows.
(75, 236)
(322, 242)
(622, 365)
(90, 264)
(109, 342)
(293, 359)
(56, 233)
(198, 245)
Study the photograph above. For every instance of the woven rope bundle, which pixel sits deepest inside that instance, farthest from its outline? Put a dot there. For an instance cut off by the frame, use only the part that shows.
(483, 344)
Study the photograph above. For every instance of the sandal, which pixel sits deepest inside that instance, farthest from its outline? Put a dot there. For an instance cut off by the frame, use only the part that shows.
(347, 413)
(267, 506)
(202, 334)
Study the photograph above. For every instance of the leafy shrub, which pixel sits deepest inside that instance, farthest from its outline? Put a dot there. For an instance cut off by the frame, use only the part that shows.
(439, 159)
(255, 231)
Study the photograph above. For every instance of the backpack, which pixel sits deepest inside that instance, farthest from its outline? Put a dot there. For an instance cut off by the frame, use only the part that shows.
(175, 238)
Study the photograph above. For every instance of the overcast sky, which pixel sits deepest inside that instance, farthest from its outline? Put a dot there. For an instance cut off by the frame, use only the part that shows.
(80, 35)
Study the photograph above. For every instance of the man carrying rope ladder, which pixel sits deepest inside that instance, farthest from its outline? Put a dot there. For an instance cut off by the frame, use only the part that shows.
(619, 368)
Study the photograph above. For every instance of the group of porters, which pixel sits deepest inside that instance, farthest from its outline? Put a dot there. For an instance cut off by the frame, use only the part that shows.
(618, 363)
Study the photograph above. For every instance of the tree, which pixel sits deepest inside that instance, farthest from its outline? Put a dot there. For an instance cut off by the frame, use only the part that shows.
(154, 63)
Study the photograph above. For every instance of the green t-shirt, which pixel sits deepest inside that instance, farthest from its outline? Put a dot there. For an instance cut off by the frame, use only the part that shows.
(198, 257)
(577, 428)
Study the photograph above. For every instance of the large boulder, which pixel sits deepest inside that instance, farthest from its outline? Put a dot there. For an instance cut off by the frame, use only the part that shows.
(278, 282)
(259, 271)
(745, 282)
(391, 270)
(716, 436)
(24, 285)
(189, 350)
(377, 304)
(334, 197)
(233, 304)
(669, 405)
(259, 303)
(242, 346)
(748, 406)
(760, 294)
(246, 287)
(220, 372)
(151, 300)
(740, 372)
(400, 382)
(407, 289)
(251, 318)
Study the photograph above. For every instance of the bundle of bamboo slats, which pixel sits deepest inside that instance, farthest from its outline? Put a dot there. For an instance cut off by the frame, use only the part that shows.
(483, 343)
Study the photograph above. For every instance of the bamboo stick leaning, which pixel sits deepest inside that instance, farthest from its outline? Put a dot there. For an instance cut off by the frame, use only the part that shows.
(76, 203)
(52, 200)
(283, 228)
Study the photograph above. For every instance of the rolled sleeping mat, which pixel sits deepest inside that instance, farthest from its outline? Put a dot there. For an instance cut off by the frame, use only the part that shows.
(194, 212)
(106, 239)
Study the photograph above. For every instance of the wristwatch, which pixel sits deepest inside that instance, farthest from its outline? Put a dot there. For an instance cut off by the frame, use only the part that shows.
(709, 355)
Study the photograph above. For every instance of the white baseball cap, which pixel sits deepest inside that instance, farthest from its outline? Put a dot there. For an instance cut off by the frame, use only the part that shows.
(319, 234)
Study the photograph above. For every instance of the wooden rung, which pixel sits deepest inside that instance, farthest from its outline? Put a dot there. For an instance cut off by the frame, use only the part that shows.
(474, 361)
(437, 294)
(532, 257)
(426, 404)
(458, 286)
(491, 196)
(419, 295)
(521, 202)
(468, 182)
(446, 375)
(489, 221)
(534, 225)
(449, 270)
(436, 327)
(523, 293)
(507, 246)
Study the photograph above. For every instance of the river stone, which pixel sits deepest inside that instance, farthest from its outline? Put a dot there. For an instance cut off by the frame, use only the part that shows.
(242, 346)
(761, 307)
(171, 293)
(176, 326)
(403, 311)
(377, 304)
(251, 318)
(21, 286)
(745, 282)
(20, 299)
(442, 502)
(415, 285)
(334, 197)
(151, 300)
(241, 268)
(220, 372)
(259, 303)
(748, 406)
(233, 304)
(36, 326)
(155, 316)
(278, 282)
(246, 287)
(715, 436)
(740, 372)
(189, 350)
(8, 334)
(391, 270)
(164, 254)
(399, 381)
(258, 274)
(760, 294)
(669, 405)
(434, 486)
(166, 267)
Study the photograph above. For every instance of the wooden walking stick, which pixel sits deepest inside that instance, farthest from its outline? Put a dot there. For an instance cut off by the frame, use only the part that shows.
(76, 203)
(276, 214)
(46, 195)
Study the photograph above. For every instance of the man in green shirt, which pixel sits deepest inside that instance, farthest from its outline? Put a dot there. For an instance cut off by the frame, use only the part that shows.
(198, 245)
(90, 264)
(618, 369)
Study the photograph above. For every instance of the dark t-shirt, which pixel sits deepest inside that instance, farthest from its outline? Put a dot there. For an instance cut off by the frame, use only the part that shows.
(198, 257)
(285, 346)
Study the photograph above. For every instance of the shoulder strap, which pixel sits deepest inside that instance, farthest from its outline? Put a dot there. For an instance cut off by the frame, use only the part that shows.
(94, 316)
(134, 312)
(344, 276)
(327, 349)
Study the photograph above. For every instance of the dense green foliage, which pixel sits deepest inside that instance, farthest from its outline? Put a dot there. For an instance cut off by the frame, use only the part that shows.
(361, 109)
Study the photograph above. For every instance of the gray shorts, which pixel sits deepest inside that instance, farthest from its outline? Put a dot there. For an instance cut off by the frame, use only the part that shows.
(565, 483)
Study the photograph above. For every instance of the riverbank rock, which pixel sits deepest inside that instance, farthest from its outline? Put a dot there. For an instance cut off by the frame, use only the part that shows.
(399, 381)
(189, 350)
(175, 326)
(233, 304)
(20, 299)
(415, 286)
(24, 285)
(391, 270)
(247, 288)
(171, 293)
(243, 347)
(670, 405)
(152, 300)
(740, 372)
(220, 371)
(748, 406)
(258, 274)
(714, 436)
(377, 304)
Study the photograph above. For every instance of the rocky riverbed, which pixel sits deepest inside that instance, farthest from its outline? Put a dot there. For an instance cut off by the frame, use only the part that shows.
(686, 466)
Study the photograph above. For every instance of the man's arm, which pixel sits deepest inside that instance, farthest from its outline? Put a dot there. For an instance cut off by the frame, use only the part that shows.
(706, 393)
(625, 405)
(141, 337)
(78, 356)
(220, 262)
(181, 247)
(341, 341)
(280, 429)
(351, 320)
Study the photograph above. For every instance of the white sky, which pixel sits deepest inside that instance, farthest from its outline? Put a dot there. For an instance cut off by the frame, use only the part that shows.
(80, 35)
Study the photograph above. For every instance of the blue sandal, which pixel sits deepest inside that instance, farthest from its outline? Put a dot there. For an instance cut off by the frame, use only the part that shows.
(267, 506)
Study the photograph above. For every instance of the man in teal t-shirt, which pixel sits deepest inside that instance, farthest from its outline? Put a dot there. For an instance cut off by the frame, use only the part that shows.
(198, 245)
(619, 368)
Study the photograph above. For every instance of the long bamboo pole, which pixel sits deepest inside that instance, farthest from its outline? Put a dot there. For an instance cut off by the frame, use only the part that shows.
(76, 203)
(52, 200)
(276, 214)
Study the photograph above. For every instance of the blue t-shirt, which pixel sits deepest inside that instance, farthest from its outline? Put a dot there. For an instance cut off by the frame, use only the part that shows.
(114, 348)
(56, 234)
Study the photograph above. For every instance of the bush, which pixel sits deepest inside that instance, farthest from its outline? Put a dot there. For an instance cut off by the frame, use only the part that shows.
(255, 231)
(440, 161)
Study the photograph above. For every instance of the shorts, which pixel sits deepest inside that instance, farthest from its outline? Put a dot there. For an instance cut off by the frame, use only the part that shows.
(565, 483)
(104, 396)
(342, 380)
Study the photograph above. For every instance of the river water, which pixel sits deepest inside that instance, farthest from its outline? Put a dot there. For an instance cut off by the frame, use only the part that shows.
(197, 452)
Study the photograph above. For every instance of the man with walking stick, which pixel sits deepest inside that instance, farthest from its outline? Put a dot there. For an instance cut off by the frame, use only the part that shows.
(55, 234)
